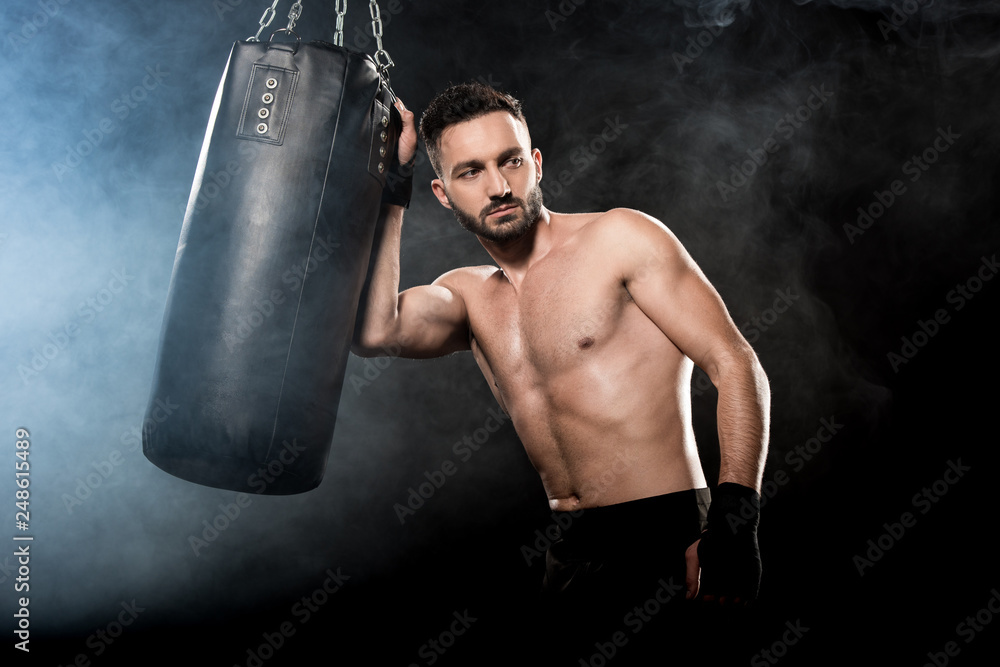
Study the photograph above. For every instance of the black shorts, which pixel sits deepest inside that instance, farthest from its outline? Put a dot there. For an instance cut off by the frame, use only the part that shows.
(615, 578)
(627, 543)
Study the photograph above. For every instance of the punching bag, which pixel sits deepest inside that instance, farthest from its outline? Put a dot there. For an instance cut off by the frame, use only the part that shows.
(271, 261)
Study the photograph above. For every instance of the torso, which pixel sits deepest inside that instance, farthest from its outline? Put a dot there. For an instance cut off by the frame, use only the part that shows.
(598, 395)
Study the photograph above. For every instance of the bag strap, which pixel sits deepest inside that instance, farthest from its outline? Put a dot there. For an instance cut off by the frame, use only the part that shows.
(338, 37)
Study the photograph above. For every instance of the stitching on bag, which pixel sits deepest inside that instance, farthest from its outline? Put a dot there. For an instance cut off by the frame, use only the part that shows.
(302, 288)
(276, 134)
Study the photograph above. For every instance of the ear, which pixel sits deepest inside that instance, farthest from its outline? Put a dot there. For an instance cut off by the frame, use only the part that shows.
(437, 186)
(536, 155)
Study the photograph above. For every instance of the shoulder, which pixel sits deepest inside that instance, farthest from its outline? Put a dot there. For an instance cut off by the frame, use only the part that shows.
(630, 232)
(467, 280)
(636, 246)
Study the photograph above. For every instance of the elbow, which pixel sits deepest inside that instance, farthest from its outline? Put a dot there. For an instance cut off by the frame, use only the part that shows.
(365, 341)
(370, 336)
(362, 351)
(751, 365)
(367, 346)
(739, 364)
(369, 343)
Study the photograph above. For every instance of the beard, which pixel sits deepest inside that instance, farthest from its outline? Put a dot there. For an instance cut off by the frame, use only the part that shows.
(508, 227)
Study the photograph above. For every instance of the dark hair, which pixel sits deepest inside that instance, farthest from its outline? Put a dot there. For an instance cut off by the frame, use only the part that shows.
(458, 104)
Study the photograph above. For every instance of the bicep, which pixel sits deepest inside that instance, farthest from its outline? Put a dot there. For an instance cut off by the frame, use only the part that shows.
(432, 321)
(673, 292)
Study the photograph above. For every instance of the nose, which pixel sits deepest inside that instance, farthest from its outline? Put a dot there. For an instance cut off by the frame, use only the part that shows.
(497, 185)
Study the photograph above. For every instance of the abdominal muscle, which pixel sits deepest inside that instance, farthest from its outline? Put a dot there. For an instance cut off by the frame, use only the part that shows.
(612, 428)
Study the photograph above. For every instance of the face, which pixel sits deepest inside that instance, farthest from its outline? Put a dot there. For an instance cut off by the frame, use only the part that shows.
(490, 177)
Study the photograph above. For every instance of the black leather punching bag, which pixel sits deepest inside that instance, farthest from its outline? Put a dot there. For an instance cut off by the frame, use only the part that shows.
(271, 261)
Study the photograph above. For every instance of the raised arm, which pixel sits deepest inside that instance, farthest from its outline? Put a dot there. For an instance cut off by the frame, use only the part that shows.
(425, 321)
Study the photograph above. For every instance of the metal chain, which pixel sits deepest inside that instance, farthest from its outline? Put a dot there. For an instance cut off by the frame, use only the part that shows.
(376, 15)
(338, 36)
(293, 15)
(265, 20)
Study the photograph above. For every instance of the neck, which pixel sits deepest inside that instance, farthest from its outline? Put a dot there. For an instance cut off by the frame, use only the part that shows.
(516, 257)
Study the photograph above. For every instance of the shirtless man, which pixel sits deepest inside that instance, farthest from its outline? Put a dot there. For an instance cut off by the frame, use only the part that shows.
(587, 330)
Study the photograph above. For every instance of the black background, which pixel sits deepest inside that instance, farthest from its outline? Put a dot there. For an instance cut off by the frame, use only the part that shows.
(684, 123)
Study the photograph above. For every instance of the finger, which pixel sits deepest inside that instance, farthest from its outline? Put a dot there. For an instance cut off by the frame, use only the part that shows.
(407, 144)
(693, 572)
(405, 114)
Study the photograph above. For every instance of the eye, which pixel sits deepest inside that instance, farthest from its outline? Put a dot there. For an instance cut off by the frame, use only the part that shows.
(515, 161)
(469, 173)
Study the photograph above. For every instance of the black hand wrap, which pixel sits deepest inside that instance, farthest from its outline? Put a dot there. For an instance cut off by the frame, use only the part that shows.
(399, 183)
(728, 551)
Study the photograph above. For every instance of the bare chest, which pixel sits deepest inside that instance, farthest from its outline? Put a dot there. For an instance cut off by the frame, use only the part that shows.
(566, 310)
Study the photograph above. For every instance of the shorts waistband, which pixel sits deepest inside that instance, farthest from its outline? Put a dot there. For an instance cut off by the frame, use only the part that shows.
(683, 514)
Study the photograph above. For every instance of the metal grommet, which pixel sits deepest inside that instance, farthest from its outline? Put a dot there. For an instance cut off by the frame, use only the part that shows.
(381, 167)
(267, 98)
(261, 128)
(384, 135)
(385, 121)
(381, 151)
(263, 113)
(271, 83)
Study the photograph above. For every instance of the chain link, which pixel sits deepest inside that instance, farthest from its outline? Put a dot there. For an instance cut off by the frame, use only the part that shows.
(265, 20)
(338, 36)
(293, 14)
(376, 15)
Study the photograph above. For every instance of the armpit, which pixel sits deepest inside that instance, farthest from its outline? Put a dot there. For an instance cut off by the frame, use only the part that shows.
(484, 366)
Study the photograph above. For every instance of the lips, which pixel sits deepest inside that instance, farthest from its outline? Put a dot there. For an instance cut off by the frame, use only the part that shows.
(503, 210)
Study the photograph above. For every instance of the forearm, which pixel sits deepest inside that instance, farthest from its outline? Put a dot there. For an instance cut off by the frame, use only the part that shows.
(728, 552)
(744, 410)
(378, 309)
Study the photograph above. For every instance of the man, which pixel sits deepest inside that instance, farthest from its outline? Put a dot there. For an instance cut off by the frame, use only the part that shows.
(587, 330)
